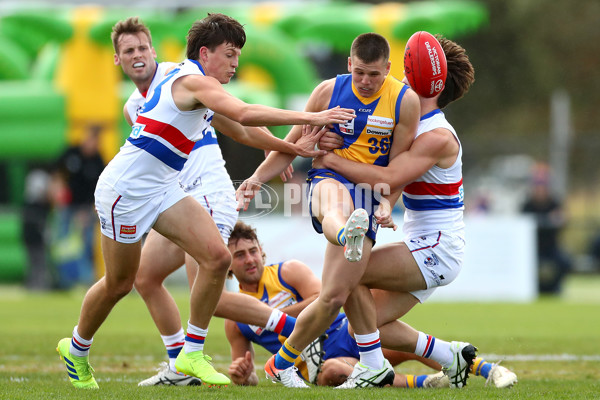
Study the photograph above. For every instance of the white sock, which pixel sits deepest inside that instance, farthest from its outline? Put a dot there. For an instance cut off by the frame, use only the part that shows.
(369, 348)
(274, 320)
(435, 349)
(80, 347)
(173, 344)
(194, 340)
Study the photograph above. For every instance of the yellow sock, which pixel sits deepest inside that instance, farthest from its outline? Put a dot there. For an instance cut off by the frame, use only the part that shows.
(341, 238)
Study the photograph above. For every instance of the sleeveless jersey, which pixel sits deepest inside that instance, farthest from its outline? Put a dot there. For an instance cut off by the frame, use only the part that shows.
(205, 168)
(276, 293)
(136, 100)
(434, 202)
(160, 142)
(368, 137)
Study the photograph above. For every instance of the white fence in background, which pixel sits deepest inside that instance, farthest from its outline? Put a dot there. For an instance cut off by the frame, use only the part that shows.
(500, 261)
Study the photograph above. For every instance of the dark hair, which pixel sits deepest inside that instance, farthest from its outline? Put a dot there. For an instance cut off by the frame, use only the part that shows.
(212, 31)
(131, 25)
(370, 47)
(461, 73)
(242, 231)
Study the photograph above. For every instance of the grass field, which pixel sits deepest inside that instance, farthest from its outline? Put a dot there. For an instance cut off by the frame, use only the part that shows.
(552, 345)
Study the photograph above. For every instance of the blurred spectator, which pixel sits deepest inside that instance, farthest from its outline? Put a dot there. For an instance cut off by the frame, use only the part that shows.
(75, 178)
(594, 252)
(35, 233)
(553, 263)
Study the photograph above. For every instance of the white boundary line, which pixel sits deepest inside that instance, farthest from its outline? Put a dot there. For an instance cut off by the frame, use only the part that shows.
(539, 357)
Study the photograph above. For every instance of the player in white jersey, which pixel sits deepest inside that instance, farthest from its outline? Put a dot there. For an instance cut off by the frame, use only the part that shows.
(405, 273)
(139, 189)
(204, 178)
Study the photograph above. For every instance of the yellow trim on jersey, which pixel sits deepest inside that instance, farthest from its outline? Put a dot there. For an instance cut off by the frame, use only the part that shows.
(278, 295)
(375, 139)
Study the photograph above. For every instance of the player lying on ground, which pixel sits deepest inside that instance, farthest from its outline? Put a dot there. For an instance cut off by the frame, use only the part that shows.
(328, 361)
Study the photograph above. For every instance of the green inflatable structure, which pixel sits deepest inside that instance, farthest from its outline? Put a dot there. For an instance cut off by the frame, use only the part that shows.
(33, 112)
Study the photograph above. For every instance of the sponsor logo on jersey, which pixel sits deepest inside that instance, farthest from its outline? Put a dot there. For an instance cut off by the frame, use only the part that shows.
(281, 300)
(137, 130)
(367, 110)
(378, 131)
(380, 126)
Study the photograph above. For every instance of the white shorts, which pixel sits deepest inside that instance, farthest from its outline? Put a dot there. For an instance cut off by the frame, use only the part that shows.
(222, 207)
(439, 256)
(126, 220)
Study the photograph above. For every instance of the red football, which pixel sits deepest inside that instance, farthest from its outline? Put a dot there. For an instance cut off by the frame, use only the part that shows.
(425, 64)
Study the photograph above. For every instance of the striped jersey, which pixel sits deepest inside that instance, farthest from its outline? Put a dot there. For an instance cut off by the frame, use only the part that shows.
(136, 100)
(274, 291)
(160, 142)
(368, 137)
(205, 168)
(434, 202)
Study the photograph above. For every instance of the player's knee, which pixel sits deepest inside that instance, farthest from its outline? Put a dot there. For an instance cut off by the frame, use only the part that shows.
(143, 284)
(333, 301)
(223, 260)
(219, 262)
(119, 289)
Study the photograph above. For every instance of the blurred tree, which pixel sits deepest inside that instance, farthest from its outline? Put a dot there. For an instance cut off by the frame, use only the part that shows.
(529, 49)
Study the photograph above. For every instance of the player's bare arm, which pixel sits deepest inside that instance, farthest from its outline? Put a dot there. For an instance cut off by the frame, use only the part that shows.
(127, 117)
(276, 162)
(406, 128)
(193, 91)
(261, 138)
(241, 368)
(403, 136)
(436, 147)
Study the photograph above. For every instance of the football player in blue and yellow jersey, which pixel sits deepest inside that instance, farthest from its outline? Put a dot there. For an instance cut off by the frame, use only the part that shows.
(387, 115)
(290, 286)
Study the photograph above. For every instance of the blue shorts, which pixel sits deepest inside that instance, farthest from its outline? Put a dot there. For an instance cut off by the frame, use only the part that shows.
(362, 198)
(339, 343)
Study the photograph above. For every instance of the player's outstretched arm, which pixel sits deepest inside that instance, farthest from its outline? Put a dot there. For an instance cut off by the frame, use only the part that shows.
(261, 138)
(191, 90)
(275, 163)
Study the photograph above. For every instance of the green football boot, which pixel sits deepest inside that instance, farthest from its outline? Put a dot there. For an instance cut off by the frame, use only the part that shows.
(78, 368)
(197, 364)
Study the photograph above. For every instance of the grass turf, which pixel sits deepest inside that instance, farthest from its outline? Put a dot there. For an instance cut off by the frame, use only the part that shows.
(552, 345)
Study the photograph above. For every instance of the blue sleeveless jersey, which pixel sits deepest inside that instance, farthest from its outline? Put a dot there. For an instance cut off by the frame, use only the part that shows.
(368, 137)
